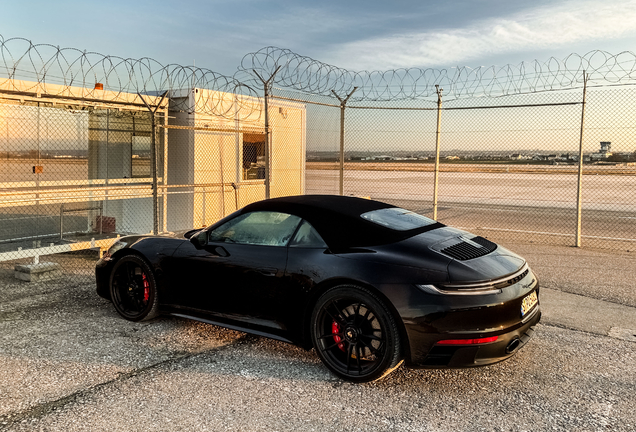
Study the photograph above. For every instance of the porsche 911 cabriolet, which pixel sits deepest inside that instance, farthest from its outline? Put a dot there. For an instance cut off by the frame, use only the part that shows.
(368, 285)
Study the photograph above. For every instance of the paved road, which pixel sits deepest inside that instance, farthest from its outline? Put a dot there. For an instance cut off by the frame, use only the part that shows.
(541, 207)
(69, 363)
(542, 224)
(599, 192)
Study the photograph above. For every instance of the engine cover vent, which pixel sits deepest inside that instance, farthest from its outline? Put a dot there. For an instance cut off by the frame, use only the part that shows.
(470, 248)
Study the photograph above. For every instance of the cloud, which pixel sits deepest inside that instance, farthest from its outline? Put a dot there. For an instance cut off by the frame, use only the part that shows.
(552, 27)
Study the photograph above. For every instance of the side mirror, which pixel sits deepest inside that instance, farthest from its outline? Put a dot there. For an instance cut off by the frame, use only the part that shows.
(200, 239)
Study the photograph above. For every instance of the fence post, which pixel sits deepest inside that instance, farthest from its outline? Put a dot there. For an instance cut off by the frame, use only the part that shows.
(61, 222)
(579, 190)
(153, 162)
(203, 206)
(222, 175)
(153, 167)
(266, 85)
(436, 173)
(164, 132)
(343, 104)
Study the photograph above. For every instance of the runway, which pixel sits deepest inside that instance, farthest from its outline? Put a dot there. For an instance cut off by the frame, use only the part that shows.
(505, 205)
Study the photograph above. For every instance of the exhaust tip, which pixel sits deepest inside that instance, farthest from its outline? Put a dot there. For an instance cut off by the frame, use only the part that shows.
(513, 345)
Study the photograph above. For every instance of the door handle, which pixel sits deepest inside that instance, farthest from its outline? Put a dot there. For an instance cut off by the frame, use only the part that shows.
(267, 271)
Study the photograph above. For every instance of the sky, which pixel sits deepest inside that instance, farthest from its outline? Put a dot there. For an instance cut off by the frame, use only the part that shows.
(355, 35)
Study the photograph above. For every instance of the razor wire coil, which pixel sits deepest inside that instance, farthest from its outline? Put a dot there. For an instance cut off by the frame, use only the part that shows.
(307, 75)
(74, 70)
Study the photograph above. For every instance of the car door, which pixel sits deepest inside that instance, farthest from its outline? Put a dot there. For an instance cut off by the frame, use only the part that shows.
(307, 266)
(237, 274)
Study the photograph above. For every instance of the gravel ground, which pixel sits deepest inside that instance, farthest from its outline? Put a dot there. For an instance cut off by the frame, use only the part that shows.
(69, 363)
(257, 384)
(59, 338)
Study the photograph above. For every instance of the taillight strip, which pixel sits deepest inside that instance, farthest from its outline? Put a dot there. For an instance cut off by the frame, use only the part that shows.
(477, 341)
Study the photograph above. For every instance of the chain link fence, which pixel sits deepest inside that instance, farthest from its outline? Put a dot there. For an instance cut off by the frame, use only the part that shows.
(74, 175)
(218, 165)
(82, 165)
(508, 166)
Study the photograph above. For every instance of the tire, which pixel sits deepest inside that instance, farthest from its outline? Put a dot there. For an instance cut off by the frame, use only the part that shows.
(133, 289)
(355, 334)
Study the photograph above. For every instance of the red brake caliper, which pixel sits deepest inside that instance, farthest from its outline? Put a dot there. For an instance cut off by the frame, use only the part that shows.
(335, 328)
(146, 287)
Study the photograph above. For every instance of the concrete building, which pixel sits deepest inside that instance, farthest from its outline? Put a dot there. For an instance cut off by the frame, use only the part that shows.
(78, 160)
(226, 155)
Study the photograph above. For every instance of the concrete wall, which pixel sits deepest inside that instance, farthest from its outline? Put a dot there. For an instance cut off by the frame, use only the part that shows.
(288, 149)
(180, 200)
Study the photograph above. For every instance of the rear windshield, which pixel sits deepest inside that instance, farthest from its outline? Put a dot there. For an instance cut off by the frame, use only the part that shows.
(397, 219)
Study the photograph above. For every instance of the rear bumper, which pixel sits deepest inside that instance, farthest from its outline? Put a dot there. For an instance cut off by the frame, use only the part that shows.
(509, 341)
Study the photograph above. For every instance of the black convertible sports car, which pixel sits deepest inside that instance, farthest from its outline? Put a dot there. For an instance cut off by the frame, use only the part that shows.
(367, 284)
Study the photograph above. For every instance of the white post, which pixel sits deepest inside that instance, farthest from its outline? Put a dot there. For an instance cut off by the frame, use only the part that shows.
(579, 190)
(437, 133)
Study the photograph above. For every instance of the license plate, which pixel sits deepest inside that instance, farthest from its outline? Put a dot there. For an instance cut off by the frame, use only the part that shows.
(529, 302)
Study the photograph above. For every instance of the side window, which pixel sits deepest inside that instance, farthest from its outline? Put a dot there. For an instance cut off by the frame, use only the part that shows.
(140, 155)
(253, 156)
(257, 228)
(307, 237)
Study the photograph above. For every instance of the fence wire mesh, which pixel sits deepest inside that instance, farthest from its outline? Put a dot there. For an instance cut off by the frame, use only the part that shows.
(504, 169)
(81, 165)
(72, 178)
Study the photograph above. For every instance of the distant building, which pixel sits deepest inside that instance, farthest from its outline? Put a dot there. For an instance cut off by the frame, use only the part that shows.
(543, 157)
(566, 157)
(603, 153)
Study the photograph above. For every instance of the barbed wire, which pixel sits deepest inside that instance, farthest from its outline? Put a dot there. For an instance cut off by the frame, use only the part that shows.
(25, 66)
(307, 75)
(69, 72)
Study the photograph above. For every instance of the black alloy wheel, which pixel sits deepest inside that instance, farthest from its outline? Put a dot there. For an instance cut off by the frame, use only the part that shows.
(133, 289)
(355, 335)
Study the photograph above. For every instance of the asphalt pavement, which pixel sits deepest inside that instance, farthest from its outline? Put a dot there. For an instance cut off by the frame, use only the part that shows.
(69, 363)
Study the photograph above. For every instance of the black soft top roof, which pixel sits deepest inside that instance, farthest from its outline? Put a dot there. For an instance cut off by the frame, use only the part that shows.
(337, 219)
